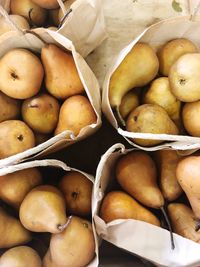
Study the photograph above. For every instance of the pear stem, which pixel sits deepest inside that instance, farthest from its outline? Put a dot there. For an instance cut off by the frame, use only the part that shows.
(120, 119)
(37, 35)
(64, 226)
(169, 226)
(197, 226)
(63, 19)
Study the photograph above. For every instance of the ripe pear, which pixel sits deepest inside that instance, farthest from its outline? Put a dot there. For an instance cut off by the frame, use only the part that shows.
(190, 116)
(67, 5)
(43, 210)
(61, 75)
(15, 186)
(171, 51)
(183, 221)
(137, 69)
(167, 162)
(21, 73)
(21, 256)
(77, 190)
(20, 21)
(12, 231)
(10, 108)
(53, 15)
(159, 93)
(48, 4)
(66, 249)
(41, 113)
(15, 137)
(150, 118)
(31, 11)
(75, 113)
(129, 102)
(184, 78)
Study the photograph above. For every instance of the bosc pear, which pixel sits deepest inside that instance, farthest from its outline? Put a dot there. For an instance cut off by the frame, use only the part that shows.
(43, 210)
(61, 75)
(137, 69)
(20, 21)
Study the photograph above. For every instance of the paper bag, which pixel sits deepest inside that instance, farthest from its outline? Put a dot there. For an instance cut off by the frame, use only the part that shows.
(140, 238)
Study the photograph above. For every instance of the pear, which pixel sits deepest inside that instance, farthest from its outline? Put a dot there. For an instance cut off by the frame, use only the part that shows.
(43, 210)
(21, 256)
(67, 5)
(119, 205)
(20, 21)
(184, 78)
(15, 186)
(21, 73)
(61, 75)
(41, 113)
(10, 108)
(183, 221)
(159, 93)
(31, 11)
(190, 116)
(65, 248)
(137, 69)
(75, 113)
(48, 4)
(12, 232)
(150, 118)
(77, 190)
(167, 162)
(129, 102)
(53, 15)
(15, 137)
(171, 51)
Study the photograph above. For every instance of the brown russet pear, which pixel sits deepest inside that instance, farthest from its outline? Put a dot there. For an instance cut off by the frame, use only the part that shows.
(10, 108)
(190, 117)
(119, 205)
(159, 93)
(167, 162)
(183, 221)
(12, 231)
(66, 248)
(15, 186)
(171, 51)
(77, 190)
(184, 78)
(75, 113)
(47, 4)
(61, 75)
(129, 102)
(15, 137)
(150, 118)
(20, 21)
(41, 113)
(21, 256)
(136, 173)
(137, 69)
(21, 73)
(67, 5)
(43, 210)
(31, 11)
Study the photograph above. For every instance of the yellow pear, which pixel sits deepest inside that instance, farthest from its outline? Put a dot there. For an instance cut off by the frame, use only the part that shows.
(21, 256)
(190, 116)
(12, 231)
(129, 102)
(67, 5)
(10, 108)
(41, 113)
(43, 210)
(184, 78)
(150, 118)
(119, 205)
(61, 75)
(15, 186)
(137, 69)
(75, 113)
(48, 4)
(15, 137)
(21, 73)
(31, 11)
(171, 51)
(20, 21)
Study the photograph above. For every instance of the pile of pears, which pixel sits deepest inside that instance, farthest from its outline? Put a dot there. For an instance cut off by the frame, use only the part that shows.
(41, 95)
(28, 14)
(158, 92)
(146, 184)
(45, 221)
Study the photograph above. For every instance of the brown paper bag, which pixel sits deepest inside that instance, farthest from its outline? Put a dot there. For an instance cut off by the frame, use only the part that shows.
(16, 39)
(156, 35)
(142, 239)
(56, 164)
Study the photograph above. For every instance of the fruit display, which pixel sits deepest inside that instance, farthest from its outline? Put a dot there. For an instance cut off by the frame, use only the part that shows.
(45, 217)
